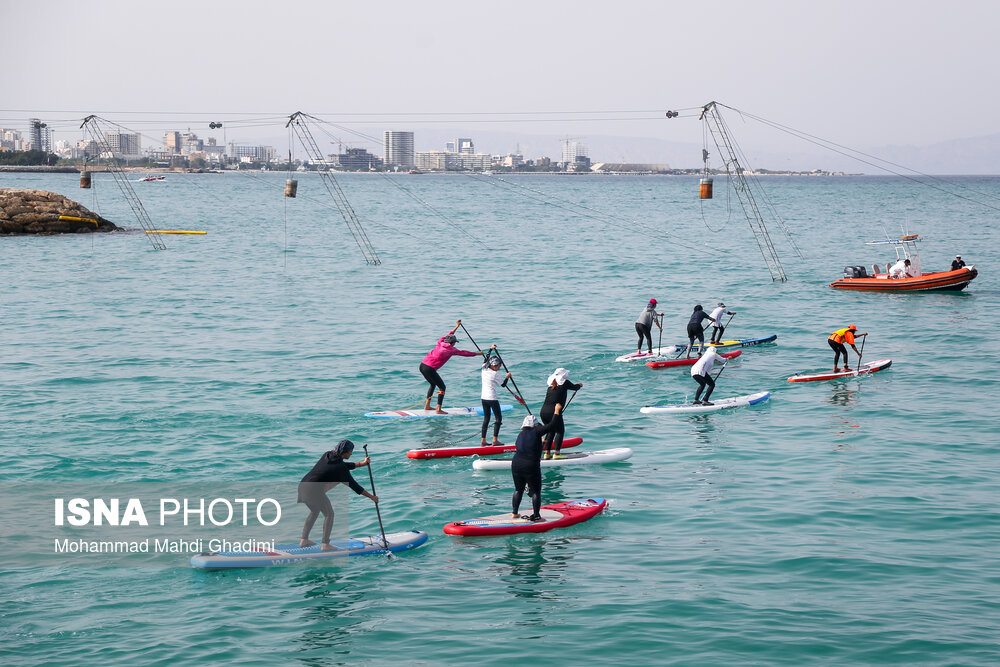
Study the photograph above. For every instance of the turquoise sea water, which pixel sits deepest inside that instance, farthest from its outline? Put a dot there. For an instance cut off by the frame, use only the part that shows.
(851, 522)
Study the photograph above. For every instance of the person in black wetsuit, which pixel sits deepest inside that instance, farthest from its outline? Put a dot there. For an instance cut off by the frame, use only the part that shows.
(555, 395)
(696, 330)
(331, 469)
(526, 468)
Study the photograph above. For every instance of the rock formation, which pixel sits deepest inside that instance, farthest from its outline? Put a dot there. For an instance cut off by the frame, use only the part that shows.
(42, 212)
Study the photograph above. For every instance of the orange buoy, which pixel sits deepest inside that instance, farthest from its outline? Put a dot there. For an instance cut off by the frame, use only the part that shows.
(705, 188)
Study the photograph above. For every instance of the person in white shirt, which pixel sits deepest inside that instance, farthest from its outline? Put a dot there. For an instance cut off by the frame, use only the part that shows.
(702, 374)
(718, 328)
(910, 271)
(491, 380)
(898, 270)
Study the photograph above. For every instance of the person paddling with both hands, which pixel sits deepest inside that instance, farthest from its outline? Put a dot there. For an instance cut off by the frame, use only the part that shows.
(526, 466)
(555, 397)
(492, 379)
(332, 468)
(702, 374)
(644, 325)
(837, 340)
(435, 359)
(696, 330)
(718, 328)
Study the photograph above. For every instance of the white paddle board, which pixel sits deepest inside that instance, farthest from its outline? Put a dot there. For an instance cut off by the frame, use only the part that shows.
(721, 404)
(575, 458)
(424, 414)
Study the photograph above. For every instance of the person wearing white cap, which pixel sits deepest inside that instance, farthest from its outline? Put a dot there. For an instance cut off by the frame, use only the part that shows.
(957, 263)
(555, 395)
(718, 328)
(526, 468)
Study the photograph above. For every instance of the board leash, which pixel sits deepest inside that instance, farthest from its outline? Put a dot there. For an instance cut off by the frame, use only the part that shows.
(371, 478)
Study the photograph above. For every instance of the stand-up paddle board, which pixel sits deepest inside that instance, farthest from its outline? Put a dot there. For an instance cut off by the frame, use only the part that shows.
(290, 554)
(689, 362)
(425, 414)
(721, 404)
(866, 369)
(739, 342)
(559, 515)
(642, 356)
(576, 458)
(446, 452)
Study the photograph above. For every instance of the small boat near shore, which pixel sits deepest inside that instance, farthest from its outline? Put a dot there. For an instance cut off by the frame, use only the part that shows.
(857, 278)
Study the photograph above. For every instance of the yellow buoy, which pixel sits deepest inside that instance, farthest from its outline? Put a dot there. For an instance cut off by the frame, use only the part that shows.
(705, 188)
(72, 218)
(173, 231)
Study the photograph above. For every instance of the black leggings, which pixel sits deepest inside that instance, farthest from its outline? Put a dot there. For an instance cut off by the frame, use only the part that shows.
(838, 349)
(695, 331)
(530, 476)
(495, 407)
(431, 375)
(717, 333)
(554, 438)
(313, 494)
(704, 381)
(644, 331)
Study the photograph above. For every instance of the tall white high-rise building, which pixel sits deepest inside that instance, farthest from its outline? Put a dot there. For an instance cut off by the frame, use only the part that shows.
(397, 149)
(573, 150)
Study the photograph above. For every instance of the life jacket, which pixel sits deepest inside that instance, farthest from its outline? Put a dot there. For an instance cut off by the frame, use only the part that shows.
(840, 335)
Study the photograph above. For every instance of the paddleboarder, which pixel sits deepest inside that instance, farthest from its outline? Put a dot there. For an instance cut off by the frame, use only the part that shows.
(644, 325)
(526, 467)
(696, 330)
(491, 380)
(837, 340)
(718, 328)
(332, 468)
(702, 374)
(555, 396)
(435, 359)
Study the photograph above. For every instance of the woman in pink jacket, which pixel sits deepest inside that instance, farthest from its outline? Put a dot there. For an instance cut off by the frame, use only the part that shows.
(435, 359)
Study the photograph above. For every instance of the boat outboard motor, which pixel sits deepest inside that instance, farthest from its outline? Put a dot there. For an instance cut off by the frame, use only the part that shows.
(855, 272)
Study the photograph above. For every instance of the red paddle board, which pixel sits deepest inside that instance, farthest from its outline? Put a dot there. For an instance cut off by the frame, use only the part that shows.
(559, 515)
(447, 452)
(689, 362)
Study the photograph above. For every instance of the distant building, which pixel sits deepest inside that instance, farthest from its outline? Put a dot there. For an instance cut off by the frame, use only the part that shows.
(571, 151)
(512, 160)
(543, 162)
(41, 135)
(448, 161)
(10, 140)
(248, 153)
(357, 159)
(172, 143)
(432, 160)
(629, 168)
(397, 149)
(123, 144)
(464, 146)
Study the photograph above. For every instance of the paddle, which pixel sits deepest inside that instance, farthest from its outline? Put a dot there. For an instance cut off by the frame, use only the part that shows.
(371, 478)
(862, 352)
(659, 343)
(517, 395)
(568, 402)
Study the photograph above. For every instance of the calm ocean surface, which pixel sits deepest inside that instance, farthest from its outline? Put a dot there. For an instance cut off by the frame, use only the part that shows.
(851, 522)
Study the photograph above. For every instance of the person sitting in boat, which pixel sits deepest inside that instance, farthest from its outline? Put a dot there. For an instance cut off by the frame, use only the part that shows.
(526, 466)
(435, 359)
(702, 374)
(331, 469)
(695, 330)
(898, 270)
(910, 270)
(644, 325)
(717, 327)
(957, 263)
(491, 404)
(837, 340)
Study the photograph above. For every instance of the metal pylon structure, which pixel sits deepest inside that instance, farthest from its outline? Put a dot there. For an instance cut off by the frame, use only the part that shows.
(92, 125)
(730, 151)
(297, 122)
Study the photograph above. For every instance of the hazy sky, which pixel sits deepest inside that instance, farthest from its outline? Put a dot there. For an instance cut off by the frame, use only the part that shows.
(861, 73)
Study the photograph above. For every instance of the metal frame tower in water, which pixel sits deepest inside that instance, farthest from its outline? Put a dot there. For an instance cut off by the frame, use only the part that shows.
(297, 122)
(92, 125)
(728, 148)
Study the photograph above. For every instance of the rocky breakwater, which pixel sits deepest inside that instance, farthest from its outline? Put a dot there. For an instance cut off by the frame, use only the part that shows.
(42, 212)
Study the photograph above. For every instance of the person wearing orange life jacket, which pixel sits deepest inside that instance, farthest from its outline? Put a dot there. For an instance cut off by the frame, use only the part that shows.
(837, 340)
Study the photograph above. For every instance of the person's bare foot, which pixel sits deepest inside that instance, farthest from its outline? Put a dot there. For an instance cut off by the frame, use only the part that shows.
(439, 411)
(427, 405)
(515, 517)
(328, 547)
(306, 543)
